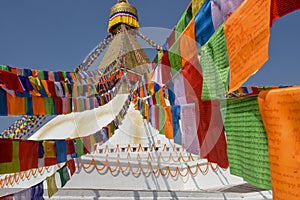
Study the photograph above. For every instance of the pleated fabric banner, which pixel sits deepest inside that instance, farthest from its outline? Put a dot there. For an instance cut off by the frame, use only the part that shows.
(215, 66)
(247, 141)
(280, 111)
(247, 33)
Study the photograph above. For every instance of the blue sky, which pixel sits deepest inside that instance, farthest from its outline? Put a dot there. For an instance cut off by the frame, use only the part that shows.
(58, 34)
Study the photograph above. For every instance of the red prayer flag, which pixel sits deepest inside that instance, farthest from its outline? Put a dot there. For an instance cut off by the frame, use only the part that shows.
(6, 150)
(280, 8)
(28, 154)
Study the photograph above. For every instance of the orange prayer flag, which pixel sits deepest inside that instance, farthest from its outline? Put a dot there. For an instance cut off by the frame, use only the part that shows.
(187, 43)
(45, 85)
(35, 73)
(162, 97)
(168, 123)
(280, 111)
(38, 105)
(247, 34)
(15, 105)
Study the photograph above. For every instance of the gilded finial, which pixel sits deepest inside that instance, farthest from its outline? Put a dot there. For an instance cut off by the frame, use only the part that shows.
(123, 13)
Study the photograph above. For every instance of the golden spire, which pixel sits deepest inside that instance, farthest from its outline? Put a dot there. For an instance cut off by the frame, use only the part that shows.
(123, 13)
(123, 6)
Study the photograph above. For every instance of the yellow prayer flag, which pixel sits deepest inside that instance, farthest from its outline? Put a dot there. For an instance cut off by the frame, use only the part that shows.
(51, 185)
(196, 5)
(49, 149)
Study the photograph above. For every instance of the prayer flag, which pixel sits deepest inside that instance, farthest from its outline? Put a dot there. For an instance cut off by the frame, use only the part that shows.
(279, 109)
(213, 58)
(51, 185)
(61, 151)
(190, 140)
(247, 141)
(10, 164)
(247, 34)
(203, 23)
(64, 175)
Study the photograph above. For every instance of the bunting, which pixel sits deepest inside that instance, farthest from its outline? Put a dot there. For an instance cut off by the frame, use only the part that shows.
(22, 155)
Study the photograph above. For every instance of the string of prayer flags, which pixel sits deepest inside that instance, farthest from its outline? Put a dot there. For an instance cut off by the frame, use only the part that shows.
(279, 110)
(23, 127)
(247, 33)
(247, 141)
(35, 192)
(39, 105)
(22, 155)
(213, 58)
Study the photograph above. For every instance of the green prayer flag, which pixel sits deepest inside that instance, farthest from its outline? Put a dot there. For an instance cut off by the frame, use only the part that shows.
(51, 185)
(112, 128)
(81, 104)
(184, 20)
(41, 75)
(213, 58)
(49, 106)
(162, 120)
(247, 141)
(157, 99)
(64, 175)
(92, 140)
(65, 75)
(3, 67)
(180, 26)
(79, 147)
(175, 58)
